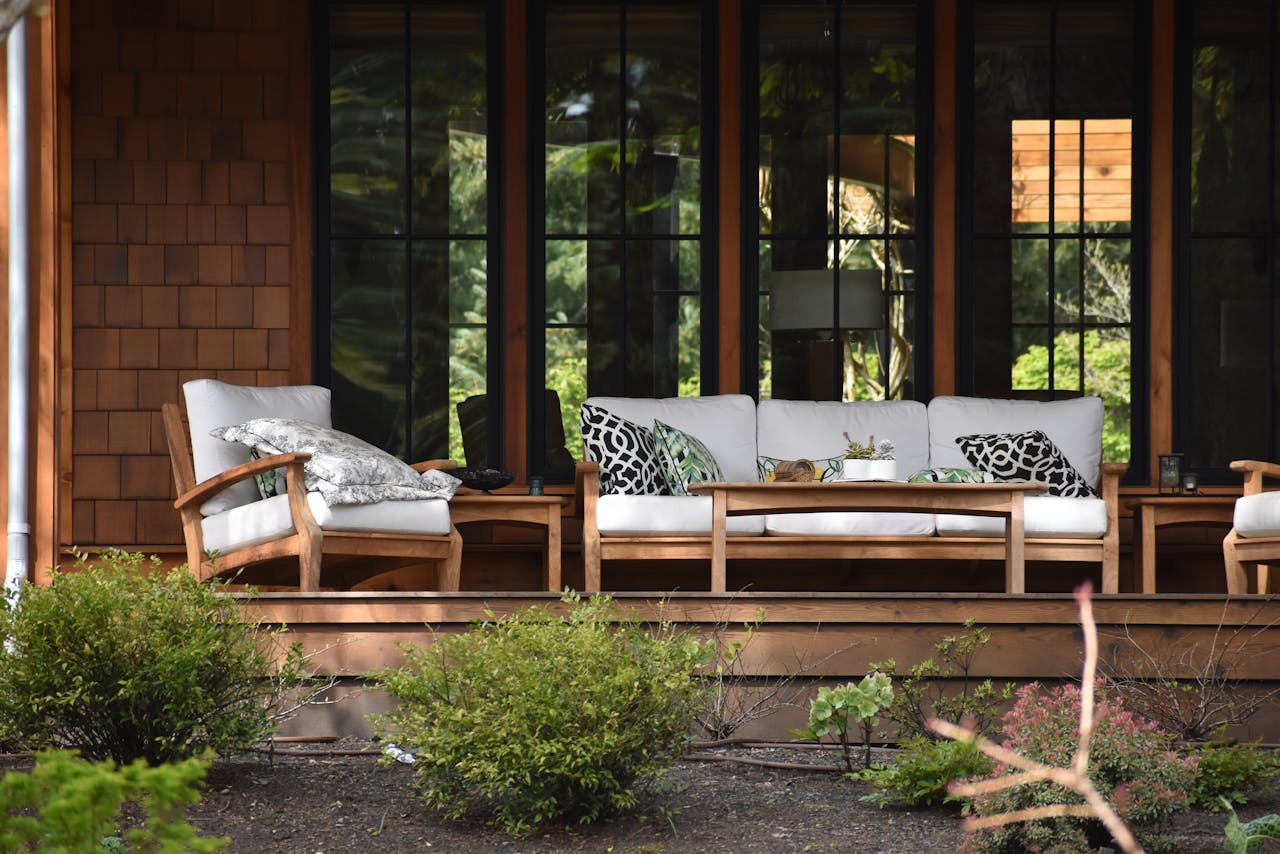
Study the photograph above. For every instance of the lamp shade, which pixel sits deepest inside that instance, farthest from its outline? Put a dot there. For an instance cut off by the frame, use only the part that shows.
(802, 299)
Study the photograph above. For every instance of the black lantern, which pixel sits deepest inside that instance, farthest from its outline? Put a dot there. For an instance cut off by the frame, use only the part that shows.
(1170, 474)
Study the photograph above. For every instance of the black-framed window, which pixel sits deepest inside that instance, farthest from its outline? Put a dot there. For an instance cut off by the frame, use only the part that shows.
(404, 257)
(623, 182)
(1228, 95)
(837, 106)
(1051, 200)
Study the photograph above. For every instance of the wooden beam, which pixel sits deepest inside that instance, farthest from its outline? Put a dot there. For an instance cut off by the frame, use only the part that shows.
(514, 197)
(301, 218)
(60, 533)
(1160, 325)
(732, 199)
(944, 198)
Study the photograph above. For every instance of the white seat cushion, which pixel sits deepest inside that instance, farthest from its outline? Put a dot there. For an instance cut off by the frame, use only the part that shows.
(725, 423)
(1075, 426)
(839, 524)
(665, 516)
(1043, 516)
(809, 429)
(1258, 515)
(212, 404)
(268, 519)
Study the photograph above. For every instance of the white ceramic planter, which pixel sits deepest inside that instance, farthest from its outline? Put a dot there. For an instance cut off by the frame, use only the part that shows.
(869, 470)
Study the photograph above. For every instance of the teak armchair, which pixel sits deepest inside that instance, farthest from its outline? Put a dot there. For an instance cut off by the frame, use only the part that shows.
(295, 538)
(1254, 539)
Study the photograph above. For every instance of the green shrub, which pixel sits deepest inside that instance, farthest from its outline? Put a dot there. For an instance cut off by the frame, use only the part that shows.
(1227, 773)
(125, 665)
(920, 774)
(541, 717)
(1131, 764)
(835, 710)
(922, 691)
(68, 804)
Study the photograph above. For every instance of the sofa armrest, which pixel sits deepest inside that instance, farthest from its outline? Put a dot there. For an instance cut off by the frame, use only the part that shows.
(1254, 471)
(428, 465)
(1110, 492)
(587, 493)
(202, 492)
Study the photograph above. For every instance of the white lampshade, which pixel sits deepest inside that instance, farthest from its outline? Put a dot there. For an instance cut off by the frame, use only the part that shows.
(802, 299)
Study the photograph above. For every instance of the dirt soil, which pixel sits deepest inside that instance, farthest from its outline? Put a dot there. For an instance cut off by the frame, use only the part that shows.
(336, 799)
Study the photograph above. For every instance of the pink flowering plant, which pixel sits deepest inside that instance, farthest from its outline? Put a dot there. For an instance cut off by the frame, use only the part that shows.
(1132, 764)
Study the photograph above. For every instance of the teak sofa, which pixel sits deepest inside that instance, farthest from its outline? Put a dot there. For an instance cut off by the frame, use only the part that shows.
(737, 431)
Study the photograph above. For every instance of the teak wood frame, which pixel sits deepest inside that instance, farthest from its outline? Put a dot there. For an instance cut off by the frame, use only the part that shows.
(596, 548)
(1239, 552)
(348, 556)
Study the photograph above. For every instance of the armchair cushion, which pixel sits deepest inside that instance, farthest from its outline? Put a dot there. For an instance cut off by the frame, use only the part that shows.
(342, 468)
(211, 404)
(1029, 456)
(1258, 515)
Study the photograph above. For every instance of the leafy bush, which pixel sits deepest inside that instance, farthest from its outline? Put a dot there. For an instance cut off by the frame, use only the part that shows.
(541, 717)
(834, 710)
(1130, 764)
(1249, 838)
(126, 665)
(920, 774)
(68, 804)
(921, 692)
(1227, 773)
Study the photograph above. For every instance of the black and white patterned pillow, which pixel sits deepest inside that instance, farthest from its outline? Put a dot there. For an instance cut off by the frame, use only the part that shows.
(626, 453)
(1030, 456)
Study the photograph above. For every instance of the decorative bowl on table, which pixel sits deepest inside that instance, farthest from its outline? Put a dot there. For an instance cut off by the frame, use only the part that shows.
(484, 479)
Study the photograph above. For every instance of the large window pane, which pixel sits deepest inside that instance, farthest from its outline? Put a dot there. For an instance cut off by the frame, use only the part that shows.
(838, 117)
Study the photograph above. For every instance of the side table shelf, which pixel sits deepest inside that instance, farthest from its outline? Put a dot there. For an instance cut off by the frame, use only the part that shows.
(1155, 511)
(542, 511)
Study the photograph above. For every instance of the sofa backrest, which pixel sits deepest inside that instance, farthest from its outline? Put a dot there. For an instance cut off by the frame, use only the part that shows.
(814, 429)
(725, 423)
(1075, 426)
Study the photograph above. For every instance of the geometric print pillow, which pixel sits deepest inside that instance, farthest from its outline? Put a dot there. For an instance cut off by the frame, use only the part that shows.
(1029, 456)
(625, 451)
(683, 459)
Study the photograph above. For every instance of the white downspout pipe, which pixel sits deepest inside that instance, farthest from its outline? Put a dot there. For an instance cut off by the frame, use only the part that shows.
(19, 525)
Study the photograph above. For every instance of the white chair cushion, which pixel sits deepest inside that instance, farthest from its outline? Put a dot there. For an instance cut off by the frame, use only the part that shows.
(792, 429)
(1075, 426)
(211, 404)
(1043, 516)
(839, 524)
(1258, 515)
(268, 519)
(665, 516)
(725, 423)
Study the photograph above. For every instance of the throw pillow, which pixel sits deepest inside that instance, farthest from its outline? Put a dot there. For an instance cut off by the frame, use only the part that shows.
(951, 475)
(683, 459)
(342, 468)
(1029, 456)
(823, 470)
(625, 451)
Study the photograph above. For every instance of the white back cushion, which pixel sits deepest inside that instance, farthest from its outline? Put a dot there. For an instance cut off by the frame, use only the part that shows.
(1075, 426)
(725, 423)
(211, 404)
(813, 429)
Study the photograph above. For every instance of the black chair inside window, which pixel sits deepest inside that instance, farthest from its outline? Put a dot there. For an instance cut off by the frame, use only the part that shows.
(557, 463)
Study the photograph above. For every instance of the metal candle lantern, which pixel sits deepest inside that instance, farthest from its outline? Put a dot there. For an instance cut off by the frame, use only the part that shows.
(1170, 474)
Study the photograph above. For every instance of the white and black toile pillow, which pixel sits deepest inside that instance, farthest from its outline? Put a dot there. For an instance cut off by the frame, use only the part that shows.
(626, 453)
(1029, 456)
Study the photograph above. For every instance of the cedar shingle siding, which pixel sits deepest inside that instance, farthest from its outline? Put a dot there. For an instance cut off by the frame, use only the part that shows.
(181, 234)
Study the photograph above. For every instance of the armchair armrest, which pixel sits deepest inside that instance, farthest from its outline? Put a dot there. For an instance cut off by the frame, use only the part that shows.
(1110, 492)
(1254, 471)
(428, 465)
(205, 490)
(586, 478)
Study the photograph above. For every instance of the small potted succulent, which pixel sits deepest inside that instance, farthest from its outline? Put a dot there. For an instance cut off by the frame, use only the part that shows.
(872, 461)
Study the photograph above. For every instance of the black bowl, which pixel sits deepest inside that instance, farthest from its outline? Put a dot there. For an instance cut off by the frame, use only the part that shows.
(483, 478)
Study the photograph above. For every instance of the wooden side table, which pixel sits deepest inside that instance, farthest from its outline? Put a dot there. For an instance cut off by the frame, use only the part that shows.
(1154, 511)
(540, 511)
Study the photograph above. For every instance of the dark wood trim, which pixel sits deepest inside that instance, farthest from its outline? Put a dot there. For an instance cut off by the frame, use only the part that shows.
(301, 218)
(943, 292)
(515, 238)
(731, 200)
(1160, 323)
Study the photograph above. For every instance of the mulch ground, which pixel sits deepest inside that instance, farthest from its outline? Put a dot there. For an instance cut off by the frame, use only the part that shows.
(331, 799)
